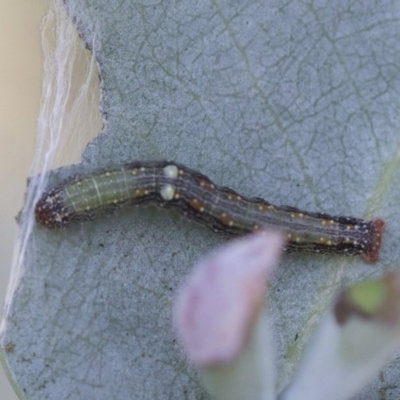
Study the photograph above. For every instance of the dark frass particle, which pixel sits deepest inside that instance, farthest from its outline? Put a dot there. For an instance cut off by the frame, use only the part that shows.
(171, 185)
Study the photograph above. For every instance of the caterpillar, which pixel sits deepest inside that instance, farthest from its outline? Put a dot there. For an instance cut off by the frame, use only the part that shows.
(174, 186)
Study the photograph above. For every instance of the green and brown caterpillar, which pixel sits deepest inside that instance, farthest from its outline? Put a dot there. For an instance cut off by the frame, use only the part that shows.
(171, 185)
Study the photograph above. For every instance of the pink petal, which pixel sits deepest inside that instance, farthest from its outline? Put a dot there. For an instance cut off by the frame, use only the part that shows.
(221, 299)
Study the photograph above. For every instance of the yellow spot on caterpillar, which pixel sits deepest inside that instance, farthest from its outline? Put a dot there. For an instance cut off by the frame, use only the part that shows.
(196, 204)
(205, 184)
(234, 197)
(140, 192)
(226, 219)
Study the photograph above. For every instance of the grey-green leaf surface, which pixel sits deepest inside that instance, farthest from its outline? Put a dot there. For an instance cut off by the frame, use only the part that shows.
(294, 101)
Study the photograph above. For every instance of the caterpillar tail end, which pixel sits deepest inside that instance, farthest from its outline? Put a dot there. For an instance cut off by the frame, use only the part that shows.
(372, 253)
